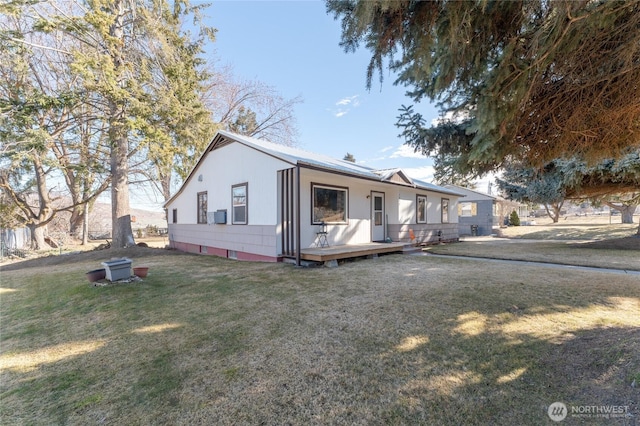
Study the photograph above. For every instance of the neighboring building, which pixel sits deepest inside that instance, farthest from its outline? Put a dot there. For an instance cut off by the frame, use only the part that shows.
(250, 199)
(482, 212)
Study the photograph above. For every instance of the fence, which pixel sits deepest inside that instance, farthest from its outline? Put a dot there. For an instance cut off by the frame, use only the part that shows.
(14, 242)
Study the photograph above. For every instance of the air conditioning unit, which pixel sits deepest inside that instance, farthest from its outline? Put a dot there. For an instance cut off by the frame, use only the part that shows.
(220, 217)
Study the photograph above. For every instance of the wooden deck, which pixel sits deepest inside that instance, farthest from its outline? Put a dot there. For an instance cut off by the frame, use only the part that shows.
(323, 254)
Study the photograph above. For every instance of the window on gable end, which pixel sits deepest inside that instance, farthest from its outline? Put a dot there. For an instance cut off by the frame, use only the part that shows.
(239, 200)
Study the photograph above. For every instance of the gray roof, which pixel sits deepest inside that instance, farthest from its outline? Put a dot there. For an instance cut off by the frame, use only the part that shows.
(297, 156)
(470, 193)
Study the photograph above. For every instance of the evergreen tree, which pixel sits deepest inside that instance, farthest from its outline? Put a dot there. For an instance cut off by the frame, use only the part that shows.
(612, 182)
(533, 80)
(34, 119)
(349, 157)
(245, 122)
(137, 69)
(446, 172)
(529, 185)
(514, 219)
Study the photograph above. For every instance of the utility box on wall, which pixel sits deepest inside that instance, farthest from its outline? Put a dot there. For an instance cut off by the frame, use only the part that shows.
(220, 217)
(217, 217)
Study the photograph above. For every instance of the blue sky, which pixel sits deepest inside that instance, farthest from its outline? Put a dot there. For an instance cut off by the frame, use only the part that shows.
(293, 46)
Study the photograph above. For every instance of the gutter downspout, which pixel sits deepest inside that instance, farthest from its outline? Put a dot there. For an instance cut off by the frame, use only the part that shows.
(298, 247)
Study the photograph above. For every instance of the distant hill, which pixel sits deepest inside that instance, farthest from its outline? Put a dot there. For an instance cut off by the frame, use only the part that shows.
(100, 218)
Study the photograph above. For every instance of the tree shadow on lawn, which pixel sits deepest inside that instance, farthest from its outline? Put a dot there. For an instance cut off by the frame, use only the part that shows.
(464, 355)
(626, 243)
(494, 360)
(579, 232)
(515, 382)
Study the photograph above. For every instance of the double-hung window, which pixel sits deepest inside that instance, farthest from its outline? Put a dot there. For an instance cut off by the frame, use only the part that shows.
(202, 207)
(421, 209)
(239, 199)
(329, 204)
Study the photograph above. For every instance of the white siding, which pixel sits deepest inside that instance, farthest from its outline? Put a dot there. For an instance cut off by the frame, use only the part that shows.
(400, 207)
(236, 163)
(226, 166)
(221, 169)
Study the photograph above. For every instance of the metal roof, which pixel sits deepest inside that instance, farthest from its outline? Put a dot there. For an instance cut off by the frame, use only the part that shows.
(297, 156)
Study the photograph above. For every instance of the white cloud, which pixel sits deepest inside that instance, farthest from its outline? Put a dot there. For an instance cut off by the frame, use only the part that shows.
(349, 100)
(387, 148)
(455, 117)
(345, 105)
(405, 151)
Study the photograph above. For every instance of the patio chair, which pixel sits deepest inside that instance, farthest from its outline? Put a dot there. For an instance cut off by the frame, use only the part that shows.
(321, 236)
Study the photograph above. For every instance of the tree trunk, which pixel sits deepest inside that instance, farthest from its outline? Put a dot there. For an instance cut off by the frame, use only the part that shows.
(554, 212)
(85, 225)
(626, 210)
(165, 182)
(76, 222)
(121, 232)
(37, 237)
(627, 213)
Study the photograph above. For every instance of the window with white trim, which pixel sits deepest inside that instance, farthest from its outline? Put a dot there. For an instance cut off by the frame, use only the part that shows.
(329, 204)
(239, 200)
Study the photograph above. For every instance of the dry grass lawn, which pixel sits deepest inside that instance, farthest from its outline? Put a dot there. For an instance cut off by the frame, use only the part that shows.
(584, 228)
(394, 340)
(579, 241)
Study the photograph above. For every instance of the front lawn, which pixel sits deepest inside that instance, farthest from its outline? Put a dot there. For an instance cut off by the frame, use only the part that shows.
(593, 254)
(394, 340)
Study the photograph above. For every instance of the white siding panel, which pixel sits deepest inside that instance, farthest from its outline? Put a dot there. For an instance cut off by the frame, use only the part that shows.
(406, 207)
(358, 228)
(248, 239)
(400, 207)
(233, 164)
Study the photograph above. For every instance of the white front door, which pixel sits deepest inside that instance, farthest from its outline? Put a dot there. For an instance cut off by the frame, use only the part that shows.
(377, 216)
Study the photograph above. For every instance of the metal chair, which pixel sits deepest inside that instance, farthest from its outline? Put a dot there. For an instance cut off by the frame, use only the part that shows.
(321, 236)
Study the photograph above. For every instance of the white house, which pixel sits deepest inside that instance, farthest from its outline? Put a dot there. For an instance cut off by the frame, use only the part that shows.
(249, 199)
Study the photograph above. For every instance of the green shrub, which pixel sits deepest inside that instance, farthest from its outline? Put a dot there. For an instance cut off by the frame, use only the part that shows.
(514, 220)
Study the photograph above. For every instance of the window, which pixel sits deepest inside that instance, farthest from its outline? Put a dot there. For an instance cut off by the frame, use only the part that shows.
(202, 207)
(239, 203)
(377, 210)
(174, 216)
(445, 210)
(467, 209)
(421, 209)
(329, 204)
